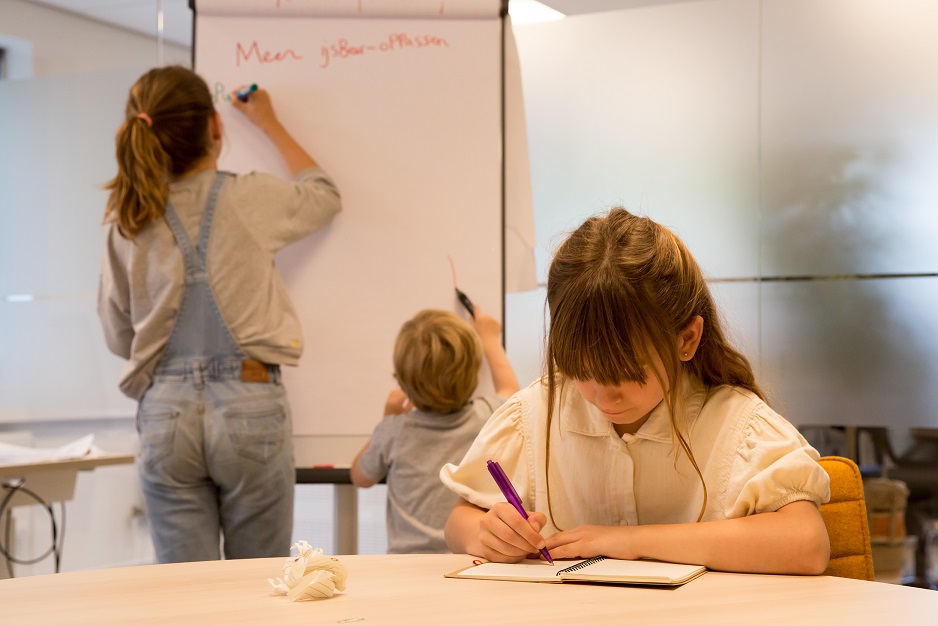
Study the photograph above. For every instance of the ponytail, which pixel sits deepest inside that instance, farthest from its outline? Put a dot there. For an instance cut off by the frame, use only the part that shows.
(140, 190)
(164, 134)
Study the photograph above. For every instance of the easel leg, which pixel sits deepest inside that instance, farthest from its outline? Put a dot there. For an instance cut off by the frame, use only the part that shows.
(346, 519)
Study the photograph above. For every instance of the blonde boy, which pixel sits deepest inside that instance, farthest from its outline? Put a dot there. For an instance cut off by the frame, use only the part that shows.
(431, 421)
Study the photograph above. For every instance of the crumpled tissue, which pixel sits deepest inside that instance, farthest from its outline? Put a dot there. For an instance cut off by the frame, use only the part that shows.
(310, 575)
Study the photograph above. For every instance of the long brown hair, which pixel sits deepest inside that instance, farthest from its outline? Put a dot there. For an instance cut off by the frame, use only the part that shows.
(164, 133)
(620, 290)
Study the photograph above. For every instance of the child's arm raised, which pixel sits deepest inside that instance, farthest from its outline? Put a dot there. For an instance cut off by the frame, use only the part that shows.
(503, 376)
(500, 534)
(792, 540)
(259, 110)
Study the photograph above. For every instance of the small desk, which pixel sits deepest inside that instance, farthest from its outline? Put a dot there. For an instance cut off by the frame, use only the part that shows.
(410, 589)
(53, 481)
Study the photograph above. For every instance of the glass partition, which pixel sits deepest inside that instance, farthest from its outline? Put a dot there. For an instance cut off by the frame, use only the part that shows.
(792, 144)
(849, 139)
(61, 102)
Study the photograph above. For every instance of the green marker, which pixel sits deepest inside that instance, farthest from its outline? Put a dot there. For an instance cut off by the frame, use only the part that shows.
(247, 91)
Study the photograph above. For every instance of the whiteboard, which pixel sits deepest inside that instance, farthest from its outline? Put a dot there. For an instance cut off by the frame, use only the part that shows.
(405, 113)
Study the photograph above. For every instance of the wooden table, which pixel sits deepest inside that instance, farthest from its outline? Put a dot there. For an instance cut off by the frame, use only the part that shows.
(410, 589)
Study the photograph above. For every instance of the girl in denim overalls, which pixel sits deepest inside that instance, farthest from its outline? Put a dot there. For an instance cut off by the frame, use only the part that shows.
(190, 297)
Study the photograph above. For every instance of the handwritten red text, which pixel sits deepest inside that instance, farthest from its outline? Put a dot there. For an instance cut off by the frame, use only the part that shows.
(255, 52)
(342, 49)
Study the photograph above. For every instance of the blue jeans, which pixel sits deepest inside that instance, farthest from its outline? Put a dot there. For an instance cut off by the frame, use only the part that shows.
(216, 459)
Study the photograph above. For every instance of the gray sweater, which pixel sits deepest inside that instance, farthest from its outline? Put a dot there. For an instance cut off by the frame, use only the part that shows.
(256, 215)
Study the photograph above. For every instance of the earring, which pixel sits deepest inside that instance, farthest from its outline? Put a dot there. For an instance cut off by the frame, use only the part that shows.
(684, 354)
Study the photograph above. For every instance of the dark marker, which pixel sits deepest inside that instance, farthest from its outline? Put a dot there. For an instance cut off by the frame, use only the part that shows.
(466, 302)
(247, 91)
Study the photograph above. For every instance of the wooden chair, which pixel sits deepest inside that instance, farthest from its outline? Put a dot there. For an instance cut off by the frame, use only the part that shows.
(846, 521)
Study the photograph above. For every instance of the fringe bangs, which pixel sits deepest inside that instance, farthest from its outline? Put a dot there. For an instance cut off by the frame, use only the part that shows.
(597, 336)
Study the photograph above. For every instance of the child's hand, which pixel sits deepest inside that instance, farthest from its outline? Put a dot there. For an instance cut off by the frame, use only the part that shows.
(584, 542)
(506, 537)
(488, 328)
(258, 108)
(397, 403)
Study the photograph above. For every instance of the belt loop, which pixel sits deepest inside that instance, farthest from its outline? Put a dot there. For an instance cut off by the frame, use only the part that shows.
(275, 374)
(197, 377)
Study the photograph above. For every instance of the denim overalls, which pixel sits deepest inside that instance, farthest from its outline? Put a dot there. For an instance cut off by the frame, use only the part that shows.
(216, 453)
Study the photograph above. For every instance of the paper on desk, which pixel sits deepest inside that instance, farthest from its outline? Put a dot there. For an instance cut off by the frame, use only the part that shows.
(15, 455)
(310, 575)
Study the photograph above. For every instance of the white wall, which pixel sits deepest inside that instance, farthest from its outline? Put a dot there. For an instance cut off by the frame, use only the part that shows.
(64, 43)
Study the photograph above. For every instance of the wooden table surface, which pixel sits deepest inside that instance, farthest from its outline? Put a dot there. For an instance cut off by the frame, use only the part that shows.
(411, 589)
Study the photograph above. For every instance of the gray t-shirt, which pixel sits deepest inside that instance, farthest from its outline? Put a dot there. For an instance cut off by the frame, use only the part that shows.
(408, 450)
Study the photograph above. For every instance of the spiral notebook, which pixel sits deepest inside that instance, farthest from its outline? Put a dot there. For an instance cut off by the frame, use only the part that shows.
(599, 569)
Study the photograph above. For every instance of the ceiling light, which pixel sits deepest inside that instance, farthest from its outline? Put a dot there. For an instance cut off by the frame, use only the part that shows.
(531, 11)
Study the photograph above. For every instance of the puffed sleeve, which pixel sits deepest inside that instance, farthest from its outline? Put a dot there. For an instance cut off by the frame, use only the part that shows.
(773, 466)
(502, 439)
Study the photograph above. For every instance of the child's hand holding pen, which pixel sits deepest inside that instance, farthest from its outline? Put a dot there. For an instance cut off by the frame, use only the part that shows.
(507, 537)
(257, 107)
(488, 328)
(522, 529)
(254, 103)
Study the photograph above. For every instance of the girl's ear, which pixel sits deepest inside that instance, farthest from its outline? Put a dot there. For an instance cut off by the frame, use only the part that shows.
(689, 339)
(214, 126)
(215, 132)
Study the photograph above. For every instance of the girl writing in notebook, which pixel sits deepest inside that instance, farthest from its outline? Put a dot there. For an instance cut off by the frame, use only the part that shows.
(648, 437)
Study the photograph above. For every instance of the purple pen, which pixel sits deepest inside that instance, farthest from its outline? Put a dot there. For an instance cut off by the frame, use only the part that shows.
(508, 490)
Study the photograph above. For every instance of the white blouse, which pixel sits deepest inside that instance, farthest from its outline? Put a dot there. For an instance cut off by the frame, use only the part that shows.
(752, 460)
